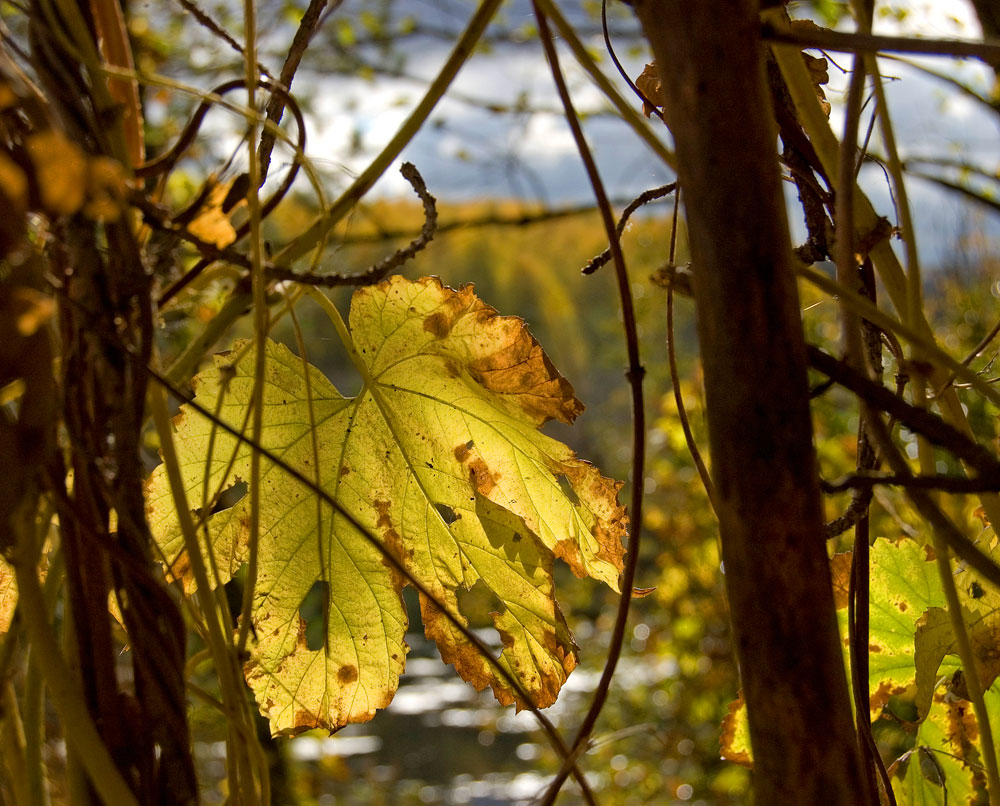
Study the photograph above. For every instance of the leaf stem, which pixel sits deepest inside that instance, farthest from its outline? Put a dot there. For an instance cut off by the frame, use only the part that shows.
(634, 375)
(81, 734)
(460, 53)
(230, 681)
(626, 109)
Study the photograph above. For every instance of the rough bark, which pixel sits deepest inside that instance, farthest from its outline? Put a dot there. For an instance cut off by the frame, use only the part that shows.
(763, 461)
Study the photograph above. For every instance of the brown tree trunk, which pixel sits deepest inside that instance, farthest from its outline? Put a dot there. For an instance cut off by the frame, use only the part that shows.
(763, 462)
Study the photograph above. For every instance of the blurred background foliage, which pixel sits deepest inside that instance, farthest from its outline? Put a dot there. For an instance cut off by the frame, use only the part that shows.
(440, 742)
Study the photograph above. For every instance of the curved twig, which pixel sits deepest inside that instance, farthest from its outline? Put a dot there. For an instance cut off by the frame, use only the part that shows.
(643, 198)
(376, 272)
(268, 205)
(635, 375)
(647, 104)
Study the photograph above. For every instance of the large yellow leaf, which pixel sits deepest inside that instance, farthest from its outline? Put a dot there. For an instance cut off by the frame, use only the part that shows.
(441, 459)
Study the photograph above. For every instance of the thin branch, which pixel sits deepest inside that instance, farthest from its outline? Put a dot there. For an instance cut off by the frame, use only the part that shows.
(635, 375)
(937, 483)
(825, 39)
(915, 418)
(544, 215)
(983, 344)
(963, 190)
(381, 269)
(207, 22)
(276, 106)
(643, 198)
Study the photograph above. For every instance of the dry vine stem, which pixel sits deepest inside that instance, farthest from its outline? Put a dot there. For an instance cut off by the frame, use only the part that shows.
(635, 375)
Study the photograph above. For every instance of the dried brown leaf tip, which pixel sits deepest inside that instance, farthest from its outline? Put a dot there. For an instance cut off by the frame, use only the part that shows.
(820, 75)
(840, 571)
(649, 84)
(734, 742)
(817, 65)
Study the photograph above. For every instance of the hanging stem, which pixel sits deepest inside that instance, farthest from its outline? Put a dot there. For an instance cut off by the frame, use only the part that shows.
(634, 375)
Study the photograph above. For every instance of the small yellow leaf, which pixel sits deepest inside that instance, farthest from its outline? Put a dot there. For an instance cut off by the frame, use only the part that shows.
(8, 97)
(649, 83)
(734, 744)
(8, 596)
(13, 184)
(211, 225)
(105, 189)
(61, 169)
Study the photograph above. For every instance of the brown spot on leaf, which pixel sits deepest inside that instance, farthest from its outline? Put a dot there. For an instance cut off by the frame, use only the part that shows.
(347, 674)
(438, 325)
(881, 695)
(466, 659)
(382, 508)
(482, 479)
(344, 470)
(874, 648)
(462, 450)
(840, 571)
(305, 720)
(181, 567)
(902, 606)
(962, 729)
(569, 552)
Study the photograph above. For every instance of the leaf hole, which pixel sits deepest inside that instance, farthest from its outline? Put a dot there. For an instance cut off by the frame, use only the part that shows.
(313, 611)
(448, 515)
(476, 604)
(567, 489)
(227, 499)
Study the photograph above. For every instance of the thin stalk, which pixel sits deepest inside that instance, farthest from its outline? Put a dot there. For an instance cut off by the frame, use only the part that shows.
(626, 109)
(634, 375)
(260, 314)
(675, 380)
(460, 53)
(258, 285)
(847, 273)
(88, 748)
(14, 745)
(230, 681)
(34, 733)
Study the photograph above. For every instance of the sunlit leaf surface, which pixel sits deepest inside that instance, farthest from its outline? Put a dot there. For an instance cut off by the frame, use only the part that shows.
(441, 460)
